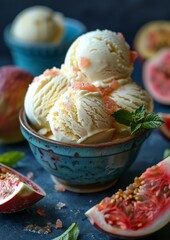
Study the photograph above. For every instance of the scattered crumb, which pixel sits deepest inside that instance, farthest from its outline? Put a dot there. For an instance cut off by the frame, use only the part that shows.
(60, 205)
(37, 229)
(41, 212)
(59, 188)
(30, 175)
(58, 224)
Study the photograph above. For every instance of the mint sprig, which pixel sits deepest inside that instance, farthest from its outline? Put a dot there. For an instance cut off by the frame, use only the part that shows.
(138, 119)
(71, 233)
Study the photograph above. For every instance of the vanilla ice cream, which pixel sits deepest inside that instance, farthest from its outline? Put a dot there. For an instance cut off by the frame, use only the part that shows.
(76, 104)
(101, 56)
(130, 96)
(38, 24)
(42, 93)
(80, 116)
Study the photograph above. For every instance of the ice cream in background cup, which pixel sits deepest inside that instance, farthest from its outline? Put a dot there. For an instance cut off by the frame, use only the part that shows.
(38, 38)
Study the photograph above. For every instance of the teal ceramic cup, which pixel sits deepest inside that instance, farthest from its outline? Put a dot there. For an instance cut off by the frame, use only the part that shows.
(35, 58)
(83, 167)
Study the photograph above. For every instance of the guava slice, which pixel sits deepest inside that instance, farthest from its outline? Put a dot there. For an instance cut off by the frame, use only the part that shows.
(165, 128)
(156, 77)
(16, 191)
(140, 210)
(151, 38)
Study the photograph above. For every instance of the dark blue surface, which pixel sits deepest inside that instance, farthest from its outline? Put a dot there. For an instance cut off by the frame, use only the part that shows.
(117, 15)
(12, 226)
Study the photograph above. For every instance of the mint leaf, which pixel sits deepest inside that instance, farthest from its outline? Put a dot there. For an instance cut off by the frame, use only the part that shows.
(11, 158)
(138, 119)
(152, 120)
(135, 127)
(123, 116)
(71, 233)
(139, 113)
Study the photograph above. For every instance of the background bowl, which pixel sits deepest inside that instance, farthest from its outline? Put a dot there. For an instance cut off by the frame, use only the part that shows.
(83, 167)
(44, 55)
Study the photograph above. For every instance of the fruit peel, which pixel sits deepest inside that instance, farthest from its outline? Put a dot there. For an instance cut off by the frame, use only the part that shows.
(13, 86)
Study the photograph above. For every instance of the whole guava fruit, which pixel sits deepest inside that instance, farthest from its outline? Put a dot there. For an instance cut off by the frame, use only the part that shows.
(13, 86)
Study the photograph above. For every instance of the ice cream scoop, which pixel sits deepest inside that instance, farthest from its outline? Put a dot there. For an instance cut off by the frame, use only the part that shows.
(77, 102)
(80, 116)
(101, 56)
(130, 96)
(42, 93)
(38, 24)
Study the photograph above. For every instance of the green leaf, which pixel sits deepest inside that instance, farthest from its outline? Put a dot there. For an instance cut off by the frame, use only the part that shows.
(123, 117)
(135, 127)
(11, 158)
(139, 113)
(71, 233)
(141, 110)
(166, 153)
(138, 119)
(152, 120)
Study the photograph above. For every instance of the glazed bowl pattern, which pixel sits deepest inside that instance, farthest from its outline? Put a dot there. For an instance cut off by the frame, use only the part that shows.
(83, 167)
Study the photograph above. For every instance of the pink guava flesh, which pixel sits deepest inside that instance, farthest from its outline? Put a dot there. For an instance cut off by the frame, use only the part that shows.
(8, 184)
(141, 209)
(156, 76)
(165, 128)
(16, 191)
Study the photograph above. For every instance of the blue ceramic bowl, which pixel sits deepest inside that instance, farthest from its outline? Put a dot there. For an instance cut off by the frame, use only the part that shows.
(35, 58)
(83, 167)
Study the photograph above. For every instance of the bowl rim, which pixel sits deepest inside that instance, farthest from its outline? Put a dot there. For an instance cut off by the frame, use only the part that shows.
(25, 124)
(9, 39)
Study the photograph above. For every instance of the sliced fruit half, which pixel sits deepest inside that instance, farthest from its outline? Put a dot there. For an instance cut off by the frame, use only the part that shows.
(156, 77)
(16, 191)
(151, 38)
(140, 210)
(165, 128)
